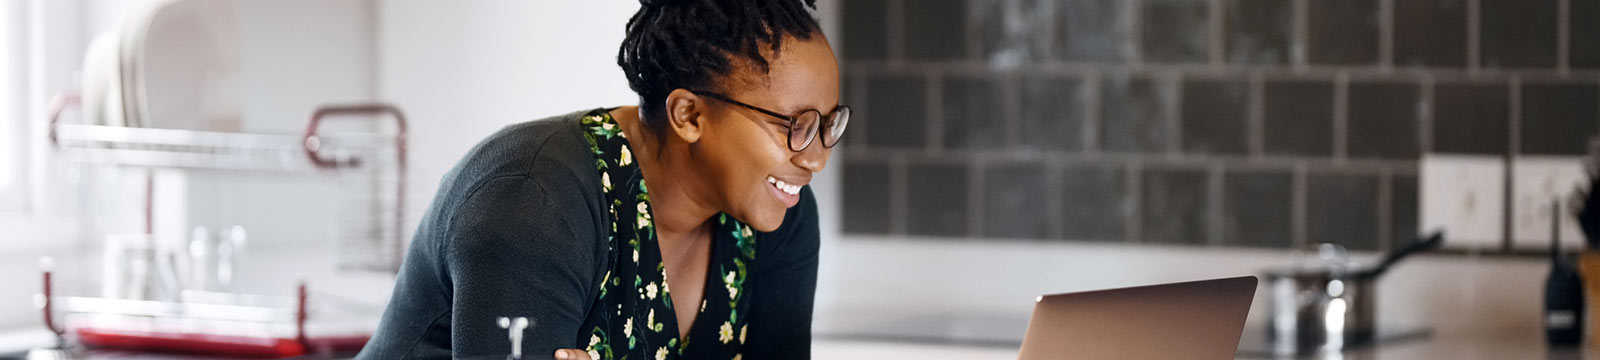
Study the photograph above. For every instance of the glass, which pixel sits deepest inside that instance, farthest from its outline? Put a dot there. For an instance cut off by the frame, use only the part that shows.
(803, 126)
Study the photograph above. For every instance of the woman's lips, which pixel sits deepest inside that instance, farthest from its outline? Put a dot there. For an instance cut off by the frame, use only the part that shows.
(786, 193)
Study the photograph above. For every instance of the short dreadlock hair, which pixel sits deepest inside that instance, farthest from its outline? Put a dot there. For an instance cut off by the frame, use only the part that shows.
(690, 44)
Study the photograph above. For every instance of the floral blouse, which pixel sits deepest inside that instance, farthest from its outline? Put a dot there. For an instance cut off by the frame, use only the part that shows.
(637, 320)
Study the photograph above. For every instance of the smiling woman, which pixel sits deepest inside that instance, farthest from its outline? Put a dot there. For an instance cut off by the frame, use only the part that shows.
(679, 228)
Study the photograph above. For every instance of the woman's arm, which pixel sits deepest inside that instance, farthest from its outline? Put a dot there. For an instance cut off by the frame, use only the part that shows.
(785, 286)
(517, 249)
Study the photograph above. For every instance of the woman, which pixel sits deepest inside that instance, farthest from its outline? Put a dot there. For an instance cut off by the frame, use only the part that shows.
(553, 220)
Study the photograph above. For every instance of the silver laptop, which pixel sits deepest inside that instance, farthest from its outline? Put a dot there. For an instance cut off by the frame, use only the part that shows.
(1198, 320)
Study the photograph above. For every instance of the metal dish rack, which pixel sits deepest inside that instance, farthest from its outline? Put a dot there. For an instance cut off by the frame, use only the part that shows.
(225, 323)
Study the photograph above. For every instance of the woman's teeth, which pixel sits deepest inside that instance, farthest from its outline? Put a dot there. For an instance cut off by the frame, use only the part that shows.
(786, 187)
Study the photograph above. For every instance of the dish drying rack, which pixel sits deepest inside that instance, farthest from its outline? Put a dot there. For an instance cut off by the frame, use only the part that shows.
(215, 323)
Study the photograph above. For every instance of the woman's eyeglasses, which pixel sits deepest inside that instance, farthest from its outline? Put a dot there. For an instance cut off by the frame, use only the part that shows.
(803, 126)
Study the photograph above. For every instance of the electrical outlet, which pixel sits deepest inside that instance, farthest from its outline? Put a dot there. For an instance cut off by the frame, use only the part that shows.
(1536, 183)
(1464, 196)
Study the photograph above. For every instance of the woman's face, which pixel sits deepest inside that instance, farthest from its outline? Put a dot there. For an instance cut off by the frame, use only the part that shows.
(744, 150)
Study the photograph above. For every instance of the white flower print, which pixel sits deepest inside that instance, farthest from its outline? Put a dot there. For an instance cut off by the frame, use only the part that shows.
(733, 292)
(735, 357)
(650, 320)
(745, 329)
(627, 328)
(605, 181)
(627, 157)
(594, 340)
(635, 255)
(744, 231)
(726, 333)
(661, 353)
(596, 355)
(650, 291)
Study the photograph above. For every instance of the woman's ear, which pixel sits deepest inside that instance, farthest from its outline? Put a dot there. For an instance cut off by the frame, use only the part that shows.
(683, 115)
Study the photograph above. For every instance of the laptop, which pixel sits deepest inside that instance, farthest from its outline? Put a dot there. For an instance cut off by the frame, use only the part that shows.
(1197, 320)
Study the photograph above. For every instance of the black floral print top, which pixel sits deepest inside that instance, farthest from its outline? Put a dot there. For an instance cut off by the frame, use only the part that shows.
(636, 287)
(550, 221)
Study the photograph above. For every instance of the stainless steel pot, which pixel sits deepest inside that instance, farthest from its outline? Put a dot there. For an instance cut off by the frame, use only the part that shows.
(1328, 306)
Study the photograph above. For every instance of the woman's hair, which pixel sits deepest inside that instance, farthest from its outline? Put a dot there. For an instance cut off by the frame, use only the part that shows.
(691, 44)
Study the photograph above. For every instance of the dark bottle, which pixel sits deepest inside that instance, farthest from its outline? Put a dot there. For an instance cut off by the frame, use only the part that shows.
(1563, 292)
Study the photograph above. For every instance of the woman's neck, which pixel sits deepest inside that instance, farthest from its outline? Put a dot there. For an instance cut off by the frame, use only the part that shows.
(680, 213)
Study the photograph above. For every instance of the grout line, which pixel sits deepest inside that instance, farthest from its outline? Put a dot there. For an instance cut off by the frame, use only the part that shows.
(1298, 219)
(1133, 225)
(1255, 119)
(1174, 90)
(973, 29)
(1341, 118)
(1386, 34)
(1354, 166)
(1011, 100)
(898, 182)
(1425, 116)
(935, 131)
(1055, 206)
(1215, 206)
(896, 32)
(1301, 34)
(1271, 71)
(1216, 32)
(1386, 211)
(1474, 36)
(1514, 128)
(975, 206)
(1513, 146)
(1093, 119)
(1563, 35)
(1132, 45)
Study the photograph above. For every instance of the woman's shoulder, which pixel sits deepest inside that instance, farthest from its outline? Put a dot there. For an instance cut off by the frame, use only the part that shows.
(547, 159)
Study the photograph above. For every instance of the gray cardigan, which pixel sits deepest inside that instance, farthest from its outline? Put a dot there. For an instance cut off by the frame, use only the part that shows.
(518, 227)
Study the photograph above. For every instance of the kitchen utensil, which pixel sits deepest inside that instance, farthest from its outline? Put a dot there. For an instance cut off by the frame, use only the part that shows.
(1329, 306)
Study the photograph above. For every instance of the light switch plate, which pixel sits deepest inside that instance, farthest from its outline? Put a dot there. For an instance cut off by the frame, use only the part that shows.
(1464, 196)
(1536, 182)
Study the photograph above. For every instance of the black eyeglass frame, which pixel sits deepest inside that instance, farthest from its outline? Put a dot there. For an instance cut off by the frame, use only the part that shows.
(792, 119)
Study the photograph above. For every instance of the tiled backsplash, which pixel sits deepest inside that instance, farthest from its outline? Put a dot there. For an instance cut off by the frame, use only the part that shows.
(1253, 123)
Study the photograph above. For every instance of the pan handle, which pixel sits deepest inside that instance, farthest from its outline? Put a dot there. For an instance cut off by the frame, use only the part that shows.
(1430, 242)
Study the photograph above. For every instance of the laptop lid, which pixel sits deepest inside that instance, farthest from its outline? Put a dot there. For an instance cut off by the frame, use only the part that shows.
(1195, 320)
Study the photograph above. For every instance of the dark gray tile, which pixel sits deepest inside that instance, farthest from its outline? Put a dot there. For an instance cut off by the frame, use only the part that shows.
(1012, 207)
(1257, 209)
(935, 29)
(1014, 32)
(1382, 121)
(1095, 202)
(1431, 33)
(1585, 29)
(1093, 30)
(936, 200)
(896, 112)
(1298, 117)
(1559, 119)
(1259, 31)
(1174, 31)
(865, 33)
(1134, 114)
(1404, 212)
(1342, 209)
(1174, 206)
(1342, 32)
(866, 197)
(1518, 34)
(974, 113)
(1053, 113)
(1214, 116)
(1471, 118)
